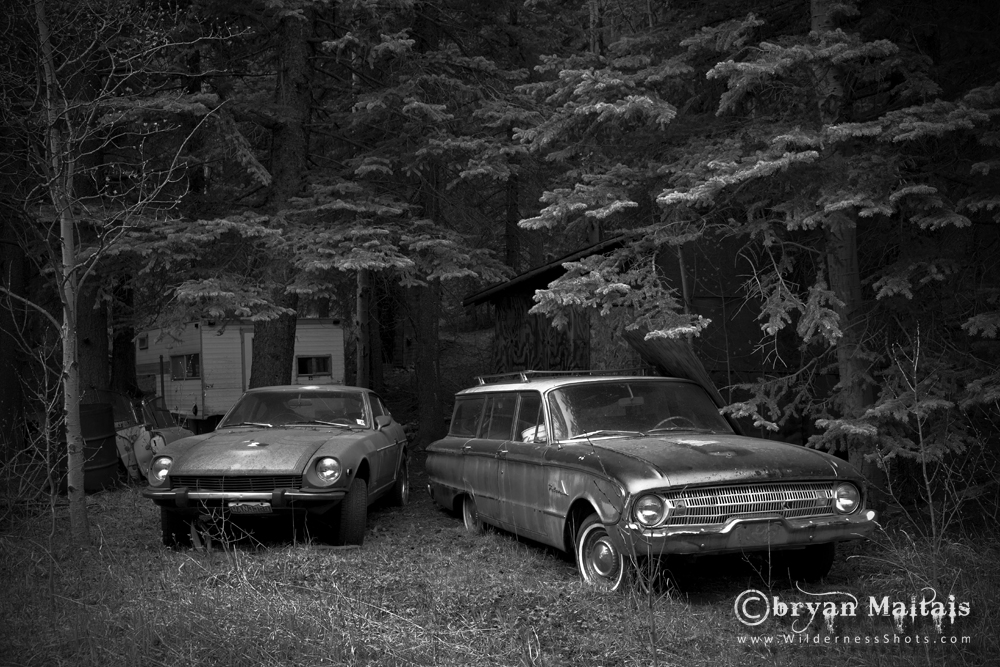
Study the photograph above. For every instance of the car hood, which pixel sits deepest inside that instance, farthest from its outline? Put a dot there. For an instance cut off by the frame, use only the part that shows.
(240, 452)
(696, 458)
(173, 433)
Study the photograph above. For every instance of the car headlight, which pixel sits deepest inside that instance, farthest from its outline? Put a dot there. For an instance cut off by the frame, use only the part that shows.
(650, 510)
(846, 498)
(328, 470)
(158, 470)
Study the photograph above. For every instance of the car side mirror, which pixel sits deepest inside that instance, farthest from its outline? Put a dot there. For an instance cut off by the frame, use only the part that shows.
(382, 421)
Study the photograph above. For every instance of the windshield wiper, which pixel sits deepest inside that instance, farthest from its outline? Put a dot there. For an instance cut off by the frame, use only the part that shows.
(605, 431)
(259, 424)
(680, 428)
(325, 423)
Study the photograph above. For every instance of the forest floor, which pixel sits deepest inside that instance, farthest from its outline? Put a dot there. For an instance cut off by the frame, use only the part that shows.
(423, 591)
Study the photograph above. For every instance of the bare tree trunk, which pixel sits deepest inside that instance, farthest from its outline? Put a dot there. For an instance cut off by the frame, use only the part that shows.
(62, 172)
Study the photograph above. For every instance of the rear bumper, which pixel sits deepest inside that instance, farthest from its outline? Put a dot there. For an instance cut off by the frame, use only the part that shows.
(738, 535)
(279, 499)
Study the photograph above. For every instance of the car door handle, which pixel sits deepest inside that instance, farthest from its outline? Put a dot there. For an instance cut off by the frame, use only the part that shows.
(501, 452)
(466, 448)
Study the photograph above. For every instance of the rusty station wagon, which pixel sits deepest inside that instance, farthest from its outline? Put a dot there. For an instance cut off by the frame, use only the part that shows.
(618, 469)
(324, 452)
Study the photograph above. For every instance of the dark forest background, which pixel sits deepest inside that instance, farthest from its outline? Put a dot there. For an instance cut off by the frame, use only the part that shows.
(378, 161)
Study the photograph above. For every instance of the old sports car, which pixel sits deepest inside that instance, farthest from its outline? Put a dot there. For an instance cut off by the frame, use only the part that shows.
(326, 452)
(619, 469)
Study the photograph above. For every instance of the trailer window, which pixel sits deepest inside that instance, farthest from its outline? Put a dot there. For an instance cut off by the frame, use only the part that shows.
(185, 367)
(313, 365)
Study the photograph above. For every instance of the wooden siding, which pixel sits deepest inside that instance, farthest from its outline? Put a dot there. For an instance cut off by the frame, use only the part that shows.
(525, 341)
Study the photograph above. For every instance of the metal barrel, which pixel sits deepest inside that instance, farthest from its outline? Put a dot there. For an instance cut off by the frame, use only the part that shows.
(97, 423)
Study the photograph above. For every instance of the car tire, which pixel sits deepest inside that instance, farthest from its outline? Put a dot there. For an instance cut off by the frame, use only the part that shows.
(175, 528)
(599, 560)
(810, 564)
(399, 495)
(470, 516)
(353, 514)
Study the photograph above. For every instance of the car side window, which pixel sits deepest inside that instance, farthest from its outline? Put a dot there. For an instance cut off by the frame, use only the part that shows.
(530, 418)
(467, 415)
(377, 407)
(498, 420)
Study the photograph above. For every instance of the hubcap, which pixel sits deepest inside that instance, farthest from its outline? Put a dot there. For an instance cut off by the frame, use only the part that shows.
(604, 559)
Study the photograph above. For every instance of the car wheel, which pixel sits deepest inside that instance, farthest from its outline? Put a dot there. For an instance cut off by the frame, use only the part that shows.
(599, 560)
(176, 529)
(353, 514)
(810, 564)
(400, 493)
(470, 516)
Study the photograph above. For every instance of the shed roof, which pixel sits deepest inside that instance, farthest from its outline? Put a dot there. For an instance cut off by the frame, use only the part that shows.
(540, 276)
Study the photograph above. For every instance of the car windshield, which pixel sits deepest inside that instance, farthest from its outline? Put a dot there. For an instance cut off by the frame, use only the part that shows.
(633, 407)
(335, 408)
(156, 413)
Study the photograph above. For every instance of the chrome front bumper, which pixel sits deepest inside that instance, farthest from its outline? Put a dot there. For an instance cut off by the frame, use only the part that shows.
(183, 497)
(736, 535)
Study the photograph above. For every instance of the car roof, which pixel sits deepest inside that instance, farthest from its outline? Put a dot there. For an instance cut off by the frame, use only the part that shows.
(305, 388)
(546, 382)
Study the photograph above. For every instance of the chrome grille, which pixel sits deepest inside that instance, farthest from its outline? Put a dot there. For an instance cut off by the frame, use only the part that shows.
(236, 484)
(717, 504)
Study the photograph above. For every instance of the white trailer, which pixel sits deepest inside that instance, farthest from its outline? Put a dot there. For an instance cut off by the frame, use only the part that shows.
(201, 371)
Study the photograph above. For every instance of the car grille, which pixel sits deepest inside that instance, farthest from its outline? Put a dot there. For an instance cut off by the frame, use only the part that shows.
(718, 504)
(236, 484)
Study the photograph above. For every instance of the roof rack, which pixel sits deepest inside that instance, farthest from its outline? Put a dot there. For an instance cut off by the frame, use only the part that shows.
(528, 376)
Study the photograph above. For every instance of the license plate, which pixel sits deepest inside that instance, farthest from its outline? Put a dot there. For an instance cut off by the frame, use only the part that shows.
(758, 534)
(250, 507)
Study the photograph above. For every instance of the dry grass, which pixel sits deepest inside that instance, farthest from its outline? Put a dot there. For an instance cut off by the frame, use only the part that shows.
(420, 592)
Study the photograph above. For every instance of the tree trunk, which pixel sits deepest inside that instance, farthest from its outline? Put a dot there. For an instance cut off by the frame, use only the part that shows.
(512, 236)
(123, 371)
(61, 163)
(274, 340)
(376, 376)
(290, 143)
(274, 347)
(93, 351)
(842, 265)
(12, 316)
(75, 453)
(425, 309)
(845, 280)
(361, 329)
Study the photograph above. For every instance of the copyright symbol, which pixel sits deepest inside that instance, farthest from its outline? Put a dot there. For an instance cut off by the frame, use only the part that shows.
(745, 602)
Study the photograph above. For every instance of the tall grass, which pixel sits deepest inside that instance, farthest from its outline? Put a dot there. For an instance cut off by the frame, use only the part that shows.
(419, 592)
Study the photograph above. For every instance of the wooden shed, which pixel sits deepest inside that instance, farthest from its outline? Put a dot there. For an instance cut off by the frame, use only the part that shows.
(709, 278)
(524, 341)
